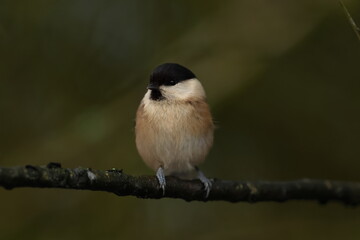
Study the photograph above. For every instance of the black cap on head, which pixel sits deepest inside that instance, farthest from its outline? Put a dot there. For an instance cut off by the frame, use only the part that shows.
(169, 74)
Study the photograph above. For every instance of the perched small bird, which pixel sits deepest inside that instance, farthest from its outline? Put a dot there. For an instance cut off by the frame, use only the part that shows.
(174, 128)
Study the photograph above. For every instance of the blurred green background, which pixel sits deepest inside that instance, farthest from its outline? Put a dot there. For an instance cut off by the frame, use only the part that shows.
(282, 79)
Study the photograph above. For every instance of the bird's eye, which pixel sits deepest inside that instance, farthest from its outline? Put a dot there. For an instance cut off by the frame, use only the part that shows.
(171, 82)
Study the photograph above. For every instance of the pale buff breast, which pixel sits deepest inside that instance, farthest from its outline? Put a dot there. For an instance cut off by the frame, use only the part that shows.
(165, 137)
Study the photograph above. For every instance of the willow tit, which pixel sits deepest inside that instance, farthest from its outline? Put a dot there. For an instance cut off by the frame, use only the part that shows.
(174, 128)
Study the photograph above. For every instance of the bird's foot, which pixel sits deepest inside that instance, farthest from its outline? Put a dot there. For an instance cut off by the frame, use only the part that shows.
(206, 181)
(161, 178)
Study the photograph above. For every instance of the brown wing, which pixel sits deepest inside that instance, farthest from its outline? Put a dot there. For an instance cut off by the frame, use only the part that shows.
(202, 128)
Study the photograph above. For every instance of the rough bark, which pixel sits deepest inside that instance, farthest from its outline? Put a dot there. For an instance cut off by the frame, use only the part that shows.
(115, 181)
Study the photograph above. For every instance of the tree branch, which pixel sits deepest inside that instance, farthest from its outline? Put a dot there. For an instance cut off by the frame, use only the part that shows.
(115, 181)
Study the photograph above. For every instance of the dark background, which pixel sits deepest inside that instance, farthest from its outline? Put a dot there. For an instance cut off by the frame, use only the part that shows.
(282, 79)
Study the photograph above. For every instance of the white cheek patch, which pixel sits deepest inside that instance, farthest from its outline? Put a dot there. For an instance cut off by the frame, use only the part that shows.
(191, 88)
(146, 98)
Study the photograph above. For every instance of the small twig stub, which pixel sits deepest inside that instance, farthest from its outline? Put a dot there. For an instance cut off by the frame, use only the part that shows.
(351, 20)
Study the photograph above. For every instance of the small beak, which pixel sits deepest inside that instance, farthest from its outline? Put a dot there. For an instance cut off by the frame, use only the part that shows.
(152, 86)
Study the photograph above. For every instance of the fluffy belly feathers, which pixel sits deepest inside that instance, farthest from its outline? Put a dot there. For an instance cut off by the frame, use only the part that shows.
(167, 140)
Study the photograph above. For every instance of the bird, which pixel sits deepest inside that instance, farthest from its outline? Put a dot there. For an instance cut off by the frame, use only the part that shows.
(174, 128)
